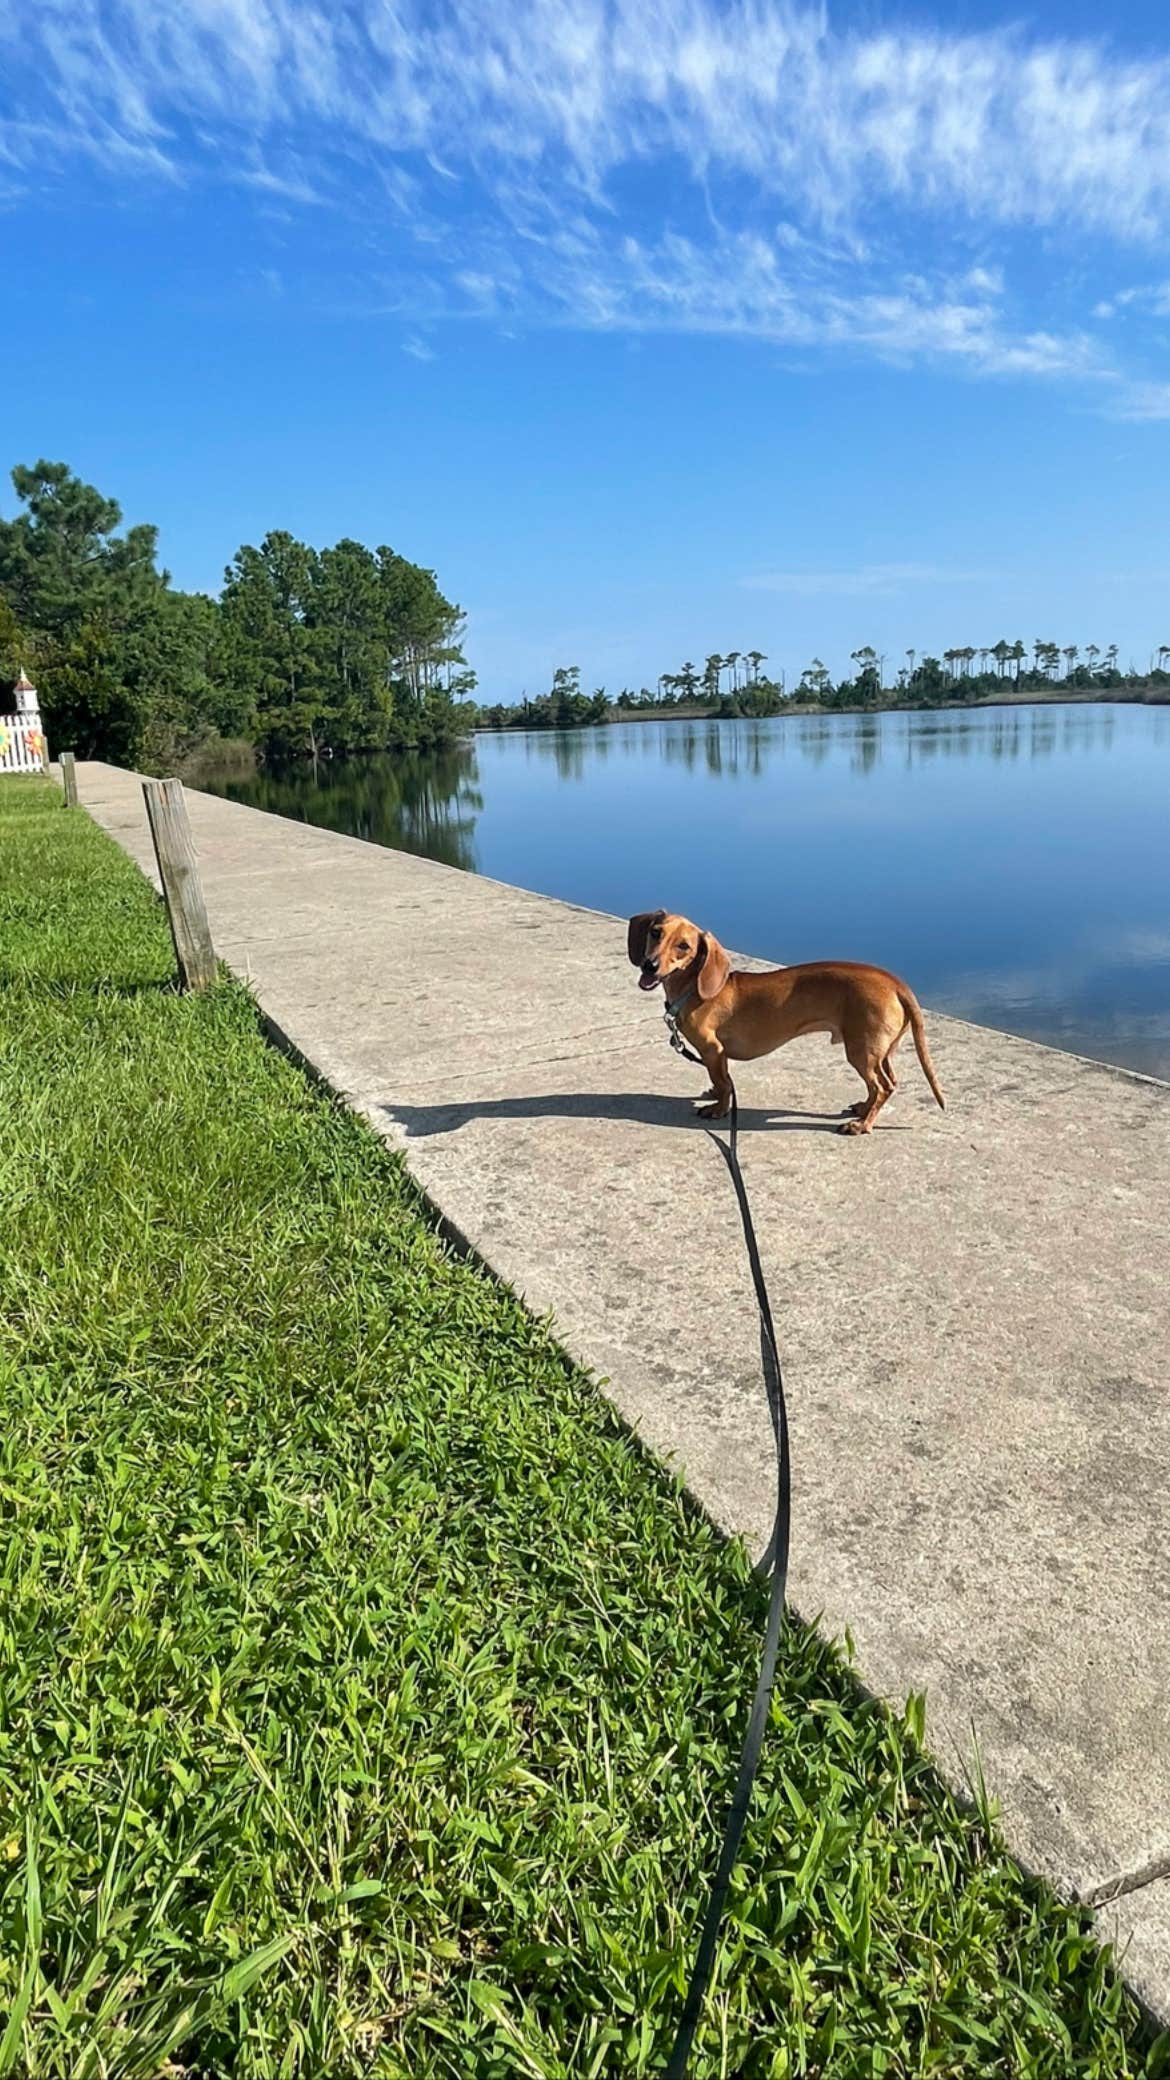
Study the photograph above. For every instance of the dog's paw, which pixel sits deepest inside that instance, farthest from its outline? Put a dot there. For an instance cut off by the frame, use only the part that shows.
(853, 1126)
(713, 1112)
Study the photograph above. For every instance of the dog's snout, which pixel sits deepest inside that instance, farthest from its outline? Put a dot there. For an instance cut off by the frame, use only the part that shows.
(650, 967)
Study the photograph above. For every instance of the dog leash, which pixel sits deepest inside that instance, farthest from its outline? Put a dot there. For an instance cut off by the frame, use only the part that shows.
(775, 1560)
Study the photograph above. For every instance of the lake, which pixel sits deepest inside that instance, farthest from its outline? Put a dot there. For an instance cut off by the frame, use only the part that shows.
(1012, 863)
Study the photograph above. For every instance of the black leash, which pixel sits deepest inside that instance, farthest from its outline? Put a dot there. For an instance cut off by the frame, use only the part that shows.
(775, 1559)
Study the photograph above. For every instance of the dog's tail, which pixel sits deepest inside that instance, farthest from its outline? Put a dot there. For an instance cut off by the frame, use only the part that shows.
(913, 1010)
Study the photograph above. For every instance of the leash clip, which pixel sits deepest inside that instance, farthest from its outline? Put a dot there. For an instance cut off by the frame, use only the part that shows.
(671, 1020)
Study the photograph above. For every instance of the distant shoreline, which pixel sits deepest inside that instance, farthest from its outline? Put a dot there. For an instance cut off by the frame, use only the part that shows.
(1057, 697)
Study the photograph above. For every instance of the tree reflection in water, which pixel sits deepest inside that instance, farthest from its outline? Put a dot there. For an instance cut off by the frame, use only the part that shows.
(424, 802)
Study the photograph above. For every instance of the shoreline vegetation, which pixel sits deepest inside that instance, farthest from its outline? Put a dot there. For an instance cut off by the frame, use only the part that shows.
(338, 652)
(930, 683)
(370, 1702)
(1139, 694)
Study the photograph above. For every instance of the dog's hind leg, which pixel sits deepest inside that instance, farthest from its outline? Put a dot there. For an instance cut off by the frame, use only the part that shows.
(869, 1067)
(861, 1119)
(886, 1069)
(886, 1084)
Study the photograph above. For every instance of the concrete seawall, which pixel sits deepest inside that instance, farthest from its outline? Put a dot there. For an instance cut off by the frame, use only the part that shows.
(972, 1307)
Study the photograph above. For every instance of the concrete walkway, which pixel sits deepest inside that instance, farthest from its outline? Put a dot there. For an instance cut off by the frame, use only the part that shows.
(972, 1308)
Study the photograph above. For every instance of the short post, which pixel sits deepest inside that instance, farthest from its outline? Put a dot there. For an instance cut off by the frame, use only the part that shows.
(178, 867)
(69, 776)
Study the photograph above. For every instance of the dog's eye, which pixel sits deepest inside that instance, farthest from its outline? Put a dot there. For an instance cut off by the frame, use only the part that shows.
(683, 947)
(656, 931)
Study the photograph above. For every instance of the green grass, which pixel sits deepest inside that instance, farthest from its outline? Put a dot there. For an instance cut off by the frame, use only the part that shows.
(367, 1703)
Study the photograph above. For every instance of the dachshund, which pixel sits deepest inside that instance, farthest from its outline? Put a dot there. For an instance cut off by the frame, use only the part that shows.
(736, 1017)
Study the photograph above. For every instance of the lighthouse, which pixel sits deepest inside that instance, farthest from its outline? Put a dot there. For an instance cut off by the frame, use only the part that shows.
(22, 736)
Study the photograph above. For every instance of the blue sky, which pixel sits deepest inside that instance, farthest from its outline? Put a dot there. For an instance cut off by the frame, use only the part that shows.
(654, 326)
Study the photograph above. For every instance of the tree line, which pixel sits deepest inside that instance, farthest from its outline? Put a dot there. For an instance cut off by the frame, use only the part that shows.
(348, 649)
(565, 706)
(305, 651)
(735, 684)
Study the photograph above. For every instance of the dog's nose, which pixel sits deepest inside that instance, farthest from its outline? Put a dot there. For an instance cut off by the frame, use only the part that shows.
(650, 967)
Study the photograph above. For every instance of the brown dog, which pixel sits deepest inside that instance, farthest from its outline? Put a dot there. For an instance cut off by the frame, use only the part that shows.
(737, 1017)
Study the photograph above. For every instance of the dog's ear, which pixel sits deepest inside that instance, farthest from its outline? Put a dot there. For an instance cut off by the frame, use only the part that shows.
(715, 967)
(639, 933)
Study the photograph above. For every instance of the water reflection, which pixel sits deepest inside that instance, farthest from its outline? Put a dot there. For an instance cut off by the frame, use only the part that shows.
(867, 744)
(1012, 862)
(815, 737)
(423, 803)
(733, 747)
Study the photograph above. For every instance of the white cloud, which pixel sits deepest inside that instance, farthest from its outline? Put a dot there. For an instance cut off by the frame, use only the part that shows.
(1017, 129)
(1141, 401)
(740, 285)
(418, 350)
(290, 186)
(819, 185)
(1145, 297)
(870, 579)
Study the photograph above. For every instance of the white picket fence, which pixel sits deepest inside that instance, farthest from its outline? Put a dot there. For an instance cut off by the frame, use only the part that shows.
(22, 744)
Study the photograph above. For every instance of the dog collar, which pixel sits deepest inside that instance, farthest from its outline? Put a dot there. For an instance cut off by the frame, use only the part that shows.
(673, 1012)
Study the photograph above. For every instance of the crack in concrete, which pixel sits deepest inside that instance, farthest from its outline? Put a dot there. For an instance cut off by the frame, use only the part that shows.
(1128, 1881)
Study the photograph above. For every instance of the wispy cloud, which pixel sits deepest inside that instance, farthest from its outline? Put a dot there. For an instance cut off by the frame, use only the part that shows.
(290, 187)
(1141, 297)
(1141, 401)
(748, 167)
(870, 580)
(418, 350)
(1025, 130)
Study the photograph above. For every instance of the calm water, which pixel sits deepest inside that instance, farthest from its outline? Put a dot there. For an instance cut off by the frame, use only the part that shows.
(1013, 864)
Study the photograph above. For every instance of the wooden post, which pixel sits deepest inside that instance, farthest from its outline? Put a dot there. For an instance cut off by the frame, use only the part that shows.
(69, 776)
(174, 849)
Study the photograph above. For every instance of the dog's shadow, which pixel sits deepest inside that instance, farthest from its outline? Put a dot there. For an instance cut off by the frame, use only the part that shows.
(635, 1108)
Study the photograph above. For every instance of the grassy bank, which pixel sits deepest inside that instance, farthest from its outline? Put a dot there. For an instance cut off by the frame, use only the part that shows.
(367, 1704)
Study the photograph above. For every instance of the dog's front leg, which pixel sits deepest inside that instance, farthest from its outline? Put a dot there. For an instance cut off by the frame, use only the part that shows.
(715, 1063)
